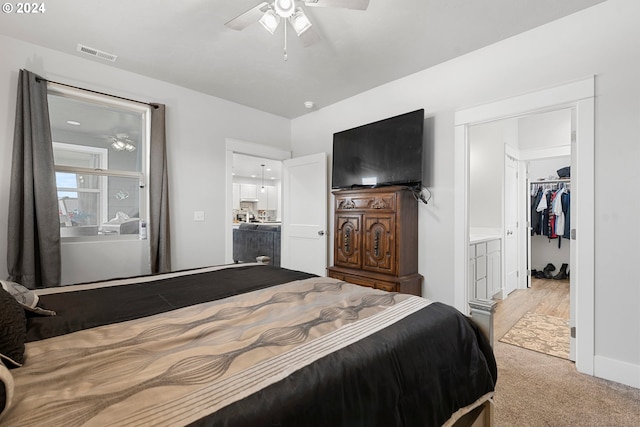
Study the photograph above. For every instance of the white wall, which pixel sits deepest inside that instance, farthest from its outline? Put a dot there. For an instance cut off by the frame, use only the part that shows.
(197, 126)
(603, 40)
(486, 170)
(545, 130)
(547, 168)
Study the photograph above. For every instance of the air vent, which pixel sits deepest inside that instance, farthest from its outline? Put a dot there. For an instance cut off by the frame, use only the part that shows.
(97, 53)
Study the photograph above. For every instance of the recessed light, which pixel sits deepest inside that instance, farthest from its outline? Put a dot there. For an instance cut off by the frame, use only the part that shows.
(309, 104)
(73, 123)
(253, 176)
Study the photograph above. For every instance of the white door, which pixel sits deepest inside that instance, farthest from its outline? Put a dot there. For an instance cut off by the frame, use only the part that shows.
(304, 216)
(510, 224)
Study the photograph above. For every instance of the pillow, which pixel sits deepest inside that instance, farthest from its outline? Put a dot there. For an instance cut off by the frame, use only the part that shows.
(6, 389)
(25, 297)
(13, 330)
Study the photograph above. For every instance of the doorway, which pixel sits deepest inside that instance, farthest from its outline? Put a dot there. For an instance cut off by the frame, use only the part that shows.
(578, 96)
(262, 154)
(514, 167)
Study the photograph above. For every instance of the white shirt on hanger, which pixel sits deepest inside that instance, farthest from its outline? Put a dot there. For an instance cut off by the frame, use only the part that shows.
(556, 208)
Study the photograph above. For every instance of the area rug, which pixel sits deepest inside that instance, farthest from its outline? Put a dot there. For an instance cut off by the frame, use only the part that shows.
(541, 333)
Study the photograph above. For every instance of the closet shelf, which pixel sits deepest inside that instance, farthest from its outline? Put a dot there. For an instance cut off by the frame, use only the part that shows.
(549, 181)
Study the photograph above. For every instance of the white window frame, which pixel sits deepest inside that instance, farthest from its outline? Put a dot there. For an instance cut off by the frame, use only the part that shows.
(103, 156)
(103, 171)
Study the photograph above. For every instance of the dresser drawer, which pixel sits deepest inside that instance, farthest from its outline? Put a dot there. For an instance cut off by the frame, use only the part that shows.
(357, 280)
(386, 286)
(373, 202)
(365, 281)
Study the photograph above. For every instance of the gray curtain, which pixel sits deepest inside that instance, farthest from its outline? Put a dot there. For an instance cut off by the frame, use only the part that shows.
(158, 226)
(33, 247)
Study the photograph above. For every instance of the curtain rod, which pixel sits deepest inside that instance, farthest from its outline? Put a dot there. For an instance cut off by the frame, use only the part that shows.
(99, 93)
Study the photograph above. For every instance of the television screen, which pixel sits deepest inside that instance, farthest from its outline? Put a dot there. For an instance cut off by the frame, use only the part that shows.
(387, 152)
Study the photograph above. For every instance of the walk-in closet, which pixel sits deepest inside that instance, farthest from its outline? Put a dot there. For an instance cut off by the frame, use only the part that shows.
(549, 217)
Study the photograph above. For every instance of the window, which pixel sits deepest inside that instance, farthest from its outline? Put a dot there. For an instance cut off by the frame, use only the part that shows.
(100, 147)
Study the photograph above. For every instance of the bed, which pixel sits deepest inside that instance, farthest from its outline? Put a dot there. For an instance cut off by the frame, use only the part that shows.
(247, 345)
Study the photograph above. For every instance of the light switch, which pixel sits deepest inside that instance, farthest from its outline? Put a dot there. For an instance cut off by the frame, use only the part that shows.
(198, 216)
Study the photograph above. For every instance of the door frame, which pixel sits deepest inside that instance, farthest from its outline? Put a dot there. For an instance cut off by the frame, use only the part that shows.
(579, 95)
(251, 149)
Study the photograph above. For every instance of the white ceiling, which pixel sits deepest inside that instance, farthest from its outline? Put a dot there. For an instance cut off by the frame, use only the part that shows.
(186, 43)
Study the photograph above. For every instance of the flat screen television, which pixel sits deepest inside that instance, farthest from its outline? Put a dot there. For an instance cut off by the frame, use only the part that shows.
(386, 152)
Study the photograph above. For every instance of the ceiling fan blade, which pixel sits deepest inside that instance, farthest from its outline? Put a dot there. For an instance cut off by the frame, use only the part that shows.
(345, 4)
(309, 37)
(252, 15)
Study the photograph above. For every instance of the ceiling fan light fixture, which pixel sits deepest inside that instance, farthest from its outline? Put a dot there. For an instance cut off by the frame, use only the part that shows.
(122, 143)
(117, 145)
(300, 22)
(270, 21)
(284, 8)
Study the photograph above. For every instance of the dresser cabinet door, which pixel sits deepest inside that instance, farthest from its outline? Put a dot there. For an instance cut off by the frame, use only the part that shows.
(379, 244)
(347, 243)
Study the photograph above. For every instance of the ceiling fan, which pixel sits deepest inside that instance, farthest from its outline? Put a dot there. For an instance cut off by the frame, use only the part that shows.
(121, 142)
(270, 13)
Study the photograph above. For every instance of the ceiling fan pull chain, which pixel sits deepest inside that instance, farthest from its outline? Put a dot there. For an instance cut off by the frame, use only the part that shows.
(285, 40)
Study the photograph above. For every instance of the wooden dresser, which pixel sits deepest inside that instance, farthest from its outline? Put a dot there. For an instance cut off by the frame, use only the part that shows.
(376, 239)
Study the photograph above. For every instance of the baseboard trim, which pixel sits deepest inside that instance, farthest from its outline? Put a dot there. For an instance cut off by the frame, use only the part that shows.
(616, 370)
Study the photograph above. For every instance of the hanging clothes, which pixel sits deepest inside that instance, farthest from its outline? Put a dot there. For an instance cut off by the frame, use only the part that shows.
(550, 202)
(558, 211)
(566, 210)
(547, 215)
(558, 215)
(536, 217)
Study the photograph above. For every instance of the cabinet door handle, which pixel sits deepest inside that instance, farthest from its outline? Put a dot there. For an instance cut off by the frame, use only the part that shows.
(347, 240)
(376, 244)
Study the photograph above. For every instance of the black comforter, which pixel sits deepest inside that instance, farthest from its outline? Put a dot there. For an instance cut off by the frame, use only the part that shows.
(416, 372)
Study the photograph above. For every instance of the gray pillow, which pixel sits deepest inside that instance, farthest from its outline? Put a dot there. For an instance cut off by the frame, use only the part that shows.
(13, 331)
(6, 389)
(25, 297)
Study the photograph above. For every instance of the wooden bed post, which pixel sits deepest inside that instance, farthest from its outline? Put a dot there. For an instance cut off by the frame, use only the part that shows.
(482, 315)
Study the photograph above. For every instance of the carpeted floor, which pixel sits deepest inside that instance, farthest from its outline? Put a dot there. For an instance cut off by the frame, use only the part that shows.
(542, 333)
(535, 390)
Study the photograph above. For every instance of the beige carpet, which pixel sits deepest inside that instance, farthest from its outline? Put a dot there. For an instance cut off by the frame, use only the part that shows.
(535, 390)
(541, 333)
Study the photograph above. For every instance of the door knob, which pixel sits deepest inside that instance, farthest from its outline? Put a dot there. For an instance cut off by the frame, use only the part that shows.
(321, 233)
